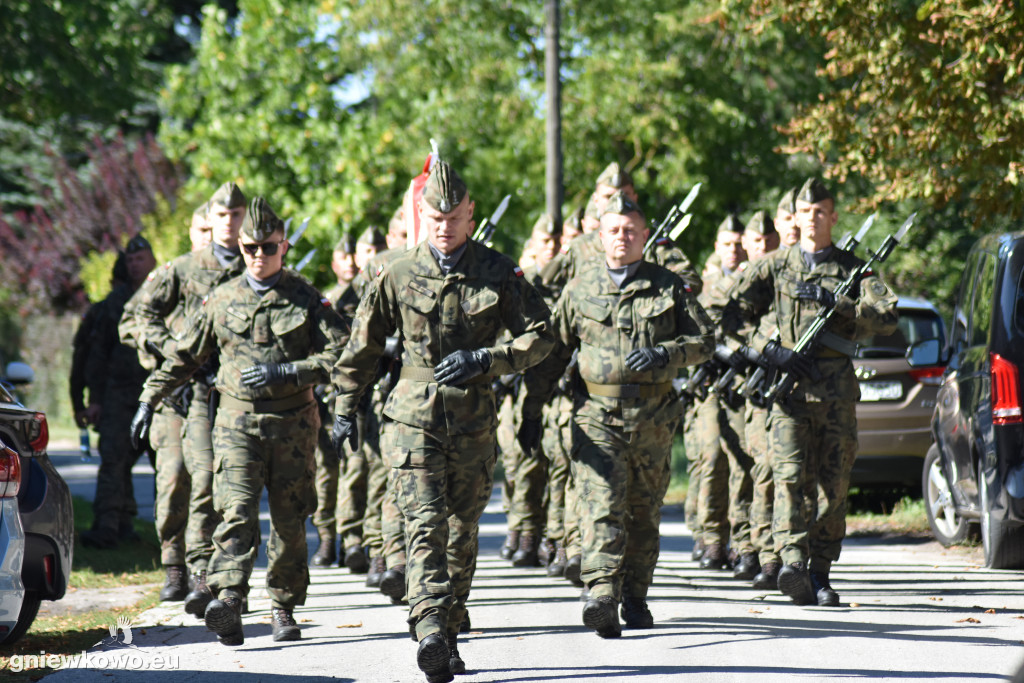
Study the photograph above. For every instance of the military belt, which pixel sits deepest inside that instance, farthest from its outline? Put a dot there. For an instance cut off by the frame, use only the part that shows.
(629, 390)
(427, 375)
(275, 405)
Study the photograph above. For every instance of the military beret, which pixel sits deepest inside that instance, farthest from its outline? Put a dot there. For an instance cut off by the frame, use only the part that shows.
(260, 220)
(201, 211)
(730, 224)
(347, 244)
(444, 189)
(574, 218)
(761, 224)
(137, 243)
(547, 226)
(373, 237)
(591, 210)
(229, 195)
(788, 202)
(622, 205)
(814, 191)
(615, 176)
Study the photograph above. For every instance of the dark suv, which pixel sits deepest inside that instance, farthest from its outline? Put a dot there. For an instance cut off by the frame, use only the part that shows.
(974, 473)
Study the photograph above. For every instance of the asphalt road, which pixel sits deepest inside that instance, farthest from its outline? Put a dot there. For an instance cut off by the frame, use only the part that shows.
(911, 611)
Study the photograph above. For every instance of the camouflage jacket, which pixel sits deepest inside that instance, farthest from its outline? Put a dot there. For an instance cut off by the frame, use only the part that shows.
(112, 369)
(768, 288)
(653, 308)
(435, 314)
(345, 299)
(292, 323)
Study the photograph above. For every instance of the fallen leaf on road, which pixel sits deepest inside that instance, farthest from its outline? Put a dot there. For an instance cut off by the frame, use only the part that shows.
(936, 599)
(305, 621)
(990, 611)
(854, 604)
(968, 620)
(1018, 617)
(755, 611)
(359, 625)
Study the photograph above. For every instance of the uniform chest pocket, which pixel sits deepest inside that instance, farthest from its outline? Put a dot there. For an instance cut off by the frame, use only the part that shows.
(419, 307)
(594, 319)
(290, 331)
(476, 304)
(199, 284)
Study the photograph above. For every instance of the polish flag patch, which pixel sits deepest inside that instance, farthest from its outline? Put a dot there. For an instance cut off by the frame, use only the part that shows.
(325, 302)
(518, 271)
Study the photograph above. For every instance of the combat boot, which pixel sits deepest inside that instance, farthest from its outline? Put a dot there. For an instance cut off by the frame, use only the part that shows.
(557, 566)
(224, 617)
(548, 550)
(510, 546)
(698, 550)
(455, 663)
(199, 597)
(284, 624)
(635, 613)
(527, 555)
(795, 583)
(175, 584)
(325, 555)
(823, 590)
(746, 566)
(392, 584)
(714, 557)
(356, 559)
(573, 567)
(768, 577)
(377, 569)
(600, 615)
(434, 659)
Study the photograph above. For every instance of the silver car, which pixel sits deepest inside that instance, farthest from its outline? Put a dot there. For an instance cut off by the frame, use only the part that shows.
(12, 542)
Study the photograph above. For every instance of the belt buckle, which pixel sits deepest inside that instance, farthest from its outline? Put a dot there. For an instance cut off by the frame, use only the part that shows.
(630, 391)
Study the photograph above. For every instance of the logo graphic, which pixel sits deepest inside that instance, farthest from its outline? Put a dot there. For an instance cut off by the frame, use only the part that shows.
(124, 626)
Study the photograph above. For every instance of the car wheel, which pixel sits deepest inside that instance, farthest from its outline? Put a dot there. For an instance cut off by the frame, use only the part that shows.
(948, 527)
(29, 609)
(1003, 544)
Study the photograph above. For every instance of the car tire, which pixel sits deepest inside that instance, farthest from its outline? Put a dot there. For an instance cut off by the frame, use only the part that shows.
(1003, 543)
(29, 609)
(948, 526)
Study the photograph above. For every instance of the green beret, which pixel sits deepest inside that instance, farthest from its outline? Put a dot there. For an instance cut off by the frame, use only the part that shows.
(137, 243)
(621, 205)
(260, 220)
(814, 191)
(547, 226)
(761, 224)
(229, 195)
(201, 211)
(373, 237)
(347, 244)
(731, 224)
(615, 176)
(445, 189)
(788, 202)
(591, 211)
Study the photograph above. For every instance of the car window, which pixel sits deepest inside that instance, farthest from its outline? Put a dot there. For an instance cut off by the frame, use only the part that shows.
(963, 301)
(981, 314)
(914, 326)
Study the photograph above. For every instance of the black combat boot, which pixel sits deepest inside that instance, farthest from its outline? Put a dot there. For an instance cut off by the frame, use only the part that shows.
(823, 590)
(356, 559)
(325, 554)
(224, 617)
(768, 577)
(600, 615)
(392, 584)
(746, 566)
(635, 613)
(434, 659)
(698, 550)
(284, 624)
(714, 557)
(199, 597)
(377, 569)
(175, 584)
(796, 583)
(547, 552)
(573, 567)
(557, 566)
(455, 662)
(510, 546)
(528, 553)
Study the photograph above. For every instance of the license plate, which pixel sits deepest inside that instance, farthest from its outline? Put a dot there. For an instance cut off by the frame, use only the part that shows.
(881, 391)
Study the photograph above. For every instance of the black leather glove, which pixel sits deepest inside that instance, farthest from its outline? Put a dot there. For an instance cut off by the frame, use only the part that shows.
(461, 366)
(140, 425)
(529, 433)
(262, 374)
(812, 292)
(789, 360)
(647, 358)
(344, 429)
(753, 357)
(731, 358)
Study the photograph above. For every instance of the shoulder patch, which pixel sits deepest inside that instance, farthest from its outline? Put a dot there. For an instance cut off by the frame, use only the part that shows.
(518, 271)
(661, 241)
(869, 273)
(687, 288)
(325, 302)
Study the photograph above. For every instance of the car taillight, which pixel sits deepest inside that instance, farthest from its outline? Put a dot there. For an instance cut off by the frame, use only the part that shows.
(39, 434)
(10, 471)
(930, 376)
(1005, 391)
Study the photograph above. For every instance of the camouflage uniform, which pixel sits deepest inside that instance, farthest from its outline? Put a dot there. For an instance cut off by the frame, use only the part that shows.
(621, 445)
(262, 436)
(438, 440)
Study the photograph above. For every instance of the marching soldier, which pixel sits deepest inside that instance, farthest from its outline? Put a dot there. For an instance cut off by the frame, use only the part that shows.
(785, 219)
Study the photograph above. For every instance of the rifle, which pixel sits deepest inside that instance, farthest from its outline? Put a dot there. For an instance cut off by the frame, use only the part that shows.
(810, 340)
(305, 260)
(485, 231)
(675, 221)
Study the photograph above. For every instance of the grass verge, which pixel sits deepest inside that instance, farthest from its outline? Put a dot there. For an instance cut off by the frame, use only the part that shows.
(130, 564)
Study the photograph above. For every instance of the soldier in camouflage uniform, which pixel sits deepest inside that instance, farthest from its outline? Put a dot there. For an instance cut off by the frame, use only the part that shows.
(814, 429)
(114, 377)
(449, 299)
(785, 219)
(634, 324)
(276, 337)
(156, 320)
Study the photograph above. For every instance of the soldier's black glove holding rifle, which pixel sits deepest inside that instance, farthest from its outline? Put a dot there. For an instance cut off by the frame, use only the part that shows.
(809, 291)
(789, 360)
(461, 366)
(344, 429)
(264, 374)
(647, 358)
(141, 422)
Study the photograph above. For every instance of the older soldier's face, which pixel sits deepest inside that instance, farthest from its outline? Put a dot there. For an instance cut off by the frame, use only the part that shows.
(448, 231)
(623, 238)
(258, 261)
(225, 223)
(729, 247)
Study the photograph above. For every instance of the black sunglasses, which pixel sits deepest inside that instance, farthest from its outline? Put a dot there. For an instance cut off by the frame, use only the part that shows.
(269, 248)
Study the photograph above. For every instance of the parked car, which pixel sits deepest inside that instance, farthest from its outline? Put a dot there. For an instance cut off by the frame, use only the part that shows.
(43, 504)
(12, 542)
(974, 474)
(897, 399)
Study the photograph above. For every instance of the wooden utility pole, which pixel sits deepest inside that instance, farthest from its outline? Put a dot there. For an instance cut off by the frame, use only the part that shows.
(553, 82)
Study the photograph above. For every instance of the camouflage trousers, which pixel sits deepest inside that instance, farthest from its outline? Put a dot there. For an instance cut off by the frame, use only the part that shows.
(763, 500)
(114, 505)
(507, 446)
(442, 483)
(557, 444)
(621, 479)
(813, 446)
(253, 451)
(341, 491)
(691, 444)
(376, 484)
(198, 455)
(392, 524)
(173, 485)
(723, 504)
